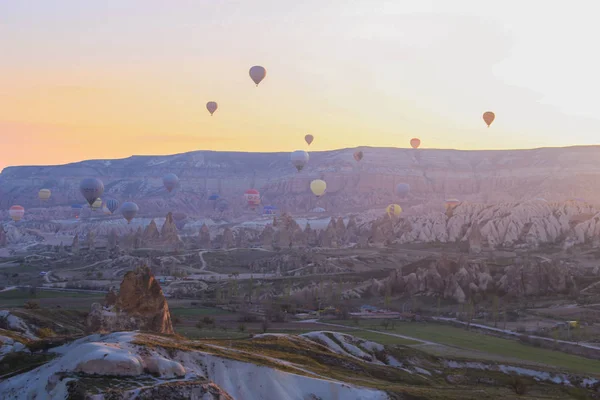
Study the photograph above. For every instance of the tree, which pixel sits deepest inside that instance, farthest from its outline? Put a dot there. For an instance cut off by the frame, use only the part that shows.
(495, 310)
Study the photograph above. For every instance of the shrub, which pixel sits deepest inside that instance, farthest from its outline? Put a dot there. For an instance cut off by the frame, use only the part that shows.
(31, 305)
(199, 325)
(519, 386)
(208, 320)
(241, 327)
(176, 320)
(44, 333)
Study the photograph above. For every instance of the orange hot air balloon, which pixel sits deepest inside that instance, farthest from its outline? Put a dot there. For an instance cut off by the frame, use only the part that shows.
(309, 139)
(358, 155)
(415, 143)
(489, 117)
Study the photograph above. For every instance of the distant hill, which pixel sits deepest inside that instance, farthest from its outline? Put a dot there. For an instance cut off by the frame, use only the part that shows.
(555, 174)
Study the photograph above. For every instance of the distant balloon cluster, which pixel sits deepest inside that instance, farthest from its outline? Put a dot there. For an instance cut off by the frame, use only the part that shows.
(92, 188)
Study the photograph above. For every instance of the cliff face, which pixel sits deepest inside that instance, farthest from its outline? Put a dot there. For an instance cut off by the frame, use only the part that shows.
(140, 304)
(555, 174)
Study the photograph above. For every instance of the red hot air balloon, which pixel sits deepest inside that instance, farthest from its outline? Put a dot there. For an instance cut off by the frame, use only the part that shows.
(309, 139)
(415, 143)
(252, 197)
(358, 155)
(488, 117)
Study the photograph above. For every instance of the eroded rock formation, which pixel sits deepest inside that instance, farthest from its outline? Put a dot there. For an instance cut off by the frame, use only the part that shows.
(140, 304)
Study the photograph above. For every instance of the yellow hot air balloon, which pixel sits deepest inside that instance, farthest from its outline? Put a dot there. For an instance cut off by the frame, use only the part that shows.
(97, 204)
(393, 210)
(44, 194)
(318, 187)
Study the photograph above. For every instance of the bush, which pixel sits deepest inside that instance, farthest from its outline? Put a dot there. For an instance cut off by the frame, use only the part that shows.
(176, 320)
(208, 320)
(199, 325)
(241, 327)
(44, 333)
(31, 305)
(519, 386)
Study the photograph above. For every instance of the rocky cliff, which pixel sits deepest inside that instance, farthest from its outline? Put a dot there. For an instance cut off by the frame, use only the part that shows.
(140, 304)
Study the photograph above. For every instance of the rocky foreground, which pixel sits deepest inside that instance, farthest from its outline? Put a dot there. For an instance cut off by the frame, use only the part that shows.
(317, 365)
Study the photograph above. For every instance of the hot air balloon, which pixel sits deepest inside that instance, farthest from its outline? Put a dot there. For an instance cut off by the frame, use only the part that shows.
(213, 197)
(451, 203)
(129, 211)
(318, 187)
(112, 205)
(318, 210)
(299, 159)
(269, 210)
(309, 139)
(358, 155)
(252, 197)
(97, 204)
(180, 219)
(91, 189)
(257, 73)
(76, 208)
(489, 117)
(222, 205)
(211, 106)
(393, 210)
(16, 213)
(170, 181)
(44, 194)
(415, 143)
(402, 189)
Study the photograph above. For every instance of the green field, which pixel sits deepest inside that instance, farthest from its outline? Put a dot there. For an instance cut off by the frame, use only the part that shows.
(195, 312)
(195, 333)
(461, 338)
(52, 298)
(380, 338)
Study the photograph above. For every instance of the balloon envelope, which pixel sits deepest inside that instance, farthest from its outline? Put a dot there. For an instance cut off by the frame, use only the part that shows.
(222, 205)
(309, 139)
(16, 213)
(91, 189)
(358, 155)
(170, 181)
(44, 194)
(129, 210)
(489, 117)
(393, 210)
(318, 187)
(402, 189)
(211, 106)
(213, 197)
(97, 204)
(252, 197)
(415, 143)
(450, 203)
(299, 159)
(318, 210)
(257, 73)
(112, 205)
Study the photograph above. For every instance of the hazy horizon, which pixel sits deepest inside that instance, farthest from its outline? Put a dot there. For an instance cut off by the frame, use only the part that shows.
(83, 81)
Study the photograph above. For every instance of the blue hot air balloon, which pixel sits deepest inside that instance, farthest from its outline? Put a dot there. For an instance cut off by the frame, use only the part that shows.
(112, 205)
(213, 197)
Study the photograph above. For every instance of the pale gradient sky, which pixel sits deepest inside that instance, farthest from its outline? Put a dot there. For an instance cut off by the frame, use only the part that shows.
(108, 79)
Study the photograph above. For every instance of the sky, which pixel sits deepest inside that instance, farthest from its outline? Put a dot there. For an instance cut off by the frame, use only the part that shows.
(95, 80)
